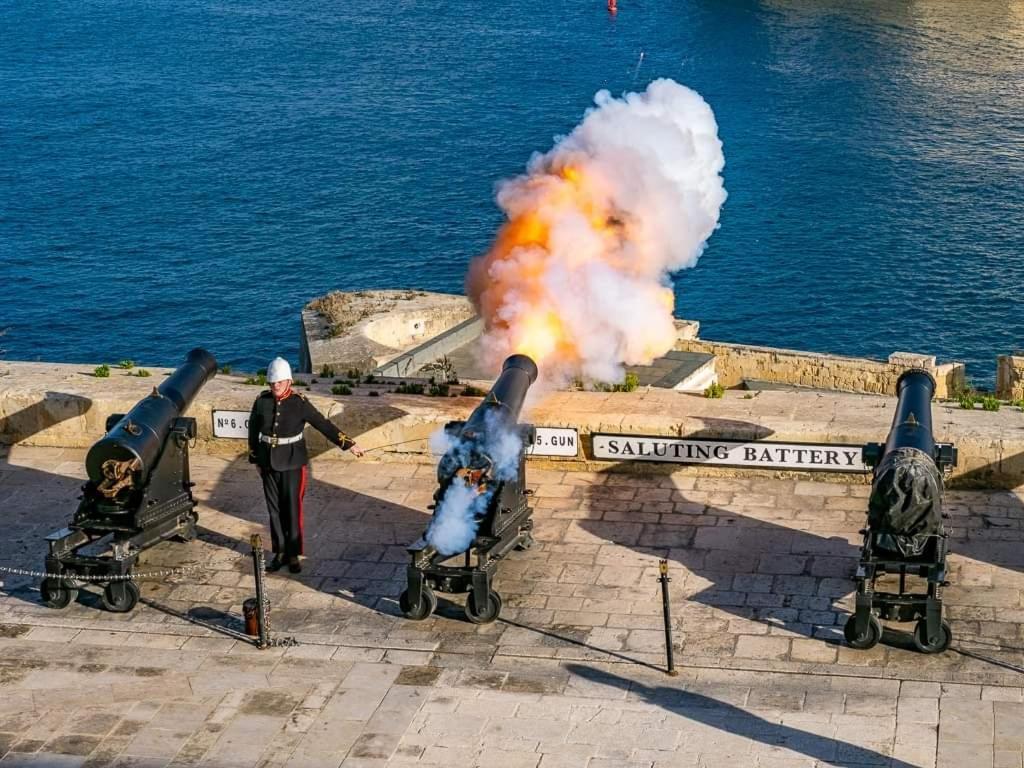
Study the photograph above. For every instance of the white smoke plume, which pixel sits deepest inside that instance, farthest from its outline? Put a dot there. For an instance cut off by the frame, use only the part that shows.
(579, 276)
(458, 514)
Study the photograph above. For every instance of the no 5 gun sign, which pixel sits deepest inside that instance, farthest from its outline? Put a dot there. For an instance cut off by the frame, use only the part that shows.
(555, 441)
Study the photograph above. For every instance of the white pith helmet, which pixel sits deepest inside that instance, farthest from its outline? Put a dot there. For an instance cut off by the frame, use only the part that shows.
(278, 370)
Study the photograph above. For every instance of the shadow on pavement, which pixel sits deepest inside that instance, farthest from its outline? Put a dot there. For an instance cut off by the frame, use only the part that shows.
(738, 722)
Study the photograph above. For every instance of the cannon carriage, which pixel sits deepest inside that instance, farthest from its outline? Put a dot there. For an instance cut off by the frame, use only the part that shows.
(138, 493)
(486, 458)
(905, 535)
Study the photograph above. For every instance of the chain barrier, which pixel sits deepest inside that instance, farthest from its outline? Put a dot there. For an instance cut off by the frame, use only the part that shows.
(134, 576)
(264, 640)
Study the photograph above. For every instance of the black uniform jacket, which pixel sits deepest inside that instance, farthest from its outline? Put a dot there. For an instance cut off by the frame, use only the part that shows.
(286, 418)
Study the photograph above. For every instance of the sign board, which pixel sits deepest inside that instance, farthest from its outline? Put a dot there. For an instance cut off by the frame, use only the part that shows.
(231, 424)
(555, 441)
(753, 454)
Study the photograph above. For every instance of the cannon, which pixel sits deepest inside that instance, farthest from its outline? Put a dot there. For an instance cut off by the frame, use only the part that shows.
(138, 493)
(480, 505)
(905, 534)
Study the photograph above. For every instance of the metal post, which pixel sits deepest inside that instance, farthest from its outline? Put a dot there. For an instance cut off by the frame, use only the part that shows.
(664, 579)
(262, 604)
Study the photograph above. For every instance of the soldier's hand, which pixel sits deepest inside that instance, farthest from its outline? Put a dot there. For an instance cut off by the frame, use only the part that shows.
(357, 451)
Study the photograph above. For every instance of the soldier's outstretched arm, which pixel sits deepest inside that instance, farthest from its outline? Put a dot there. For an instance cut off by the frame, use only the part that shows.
(325, 427)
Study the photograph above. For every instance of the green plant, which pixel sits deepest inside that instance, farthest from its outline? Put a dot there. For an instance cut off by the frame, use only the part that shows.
(445, 368)
(259, 379)
(370, 378)
(470, 391)
(748, 396)
(373, 393)
(300, 383)
(990, 403)
(142, 373)
(628, 384)
(225, 369)
(126, 364)
(408, 388)
(715, 390)
(438, 390)
(967, 398)
(327, 372)
(341, 389)
(354, 373)
(1018, 403)
(101, 371)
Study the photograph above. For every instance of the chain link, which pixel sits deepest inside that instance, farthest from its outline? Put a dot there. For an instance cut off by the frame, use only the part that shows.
(70, 576)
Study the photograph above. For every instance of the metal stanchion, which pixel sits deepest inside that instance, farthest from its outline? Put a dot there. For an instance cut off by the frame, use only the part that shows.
(262, 604)
(664, 579)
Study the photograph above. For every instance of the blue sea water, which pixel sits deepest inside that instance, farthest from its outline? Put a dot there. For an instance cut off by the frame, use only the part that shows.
(185, 172)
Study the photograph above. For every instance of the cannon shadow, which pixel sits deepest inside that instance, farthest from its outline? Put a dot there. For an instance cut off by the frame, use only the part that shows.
(791, 566)
(698, 708)
(36, 502)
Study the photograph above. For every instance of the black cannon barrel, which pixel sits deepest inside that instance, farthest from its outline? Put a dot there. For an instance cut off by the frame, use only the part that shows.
(505, 400)
(905, 506)
(140, 433)
(912, 423)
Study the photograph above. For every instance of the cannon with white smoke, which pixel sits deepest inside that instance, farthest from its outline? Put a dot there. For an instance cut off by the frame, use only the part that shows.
(480, 506)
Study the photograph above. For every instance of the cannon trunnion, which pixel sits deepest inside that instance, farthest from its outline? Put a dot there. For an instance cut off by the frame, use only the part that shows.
(905, 534)
(139, 493)
(486, 460)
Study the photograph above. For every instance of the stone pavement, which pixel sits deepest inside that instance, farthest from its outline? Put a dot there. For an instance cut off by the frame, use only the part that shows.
(570, 674)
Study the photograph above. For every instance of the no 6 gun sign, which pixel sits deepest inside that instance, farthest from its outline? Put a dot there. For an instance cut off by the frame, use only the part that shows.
(231, 424)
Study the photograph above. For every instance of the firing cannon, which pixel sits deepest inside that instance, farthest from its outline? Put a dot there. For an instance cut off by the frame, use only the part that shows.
(480, 505)
(139, 493)
(905, 533)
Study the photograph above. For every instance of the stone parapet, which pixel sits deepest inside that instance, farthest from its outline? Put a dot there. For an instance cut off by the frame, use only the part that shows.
(65, 406)
(736, 363)
(1010, 377)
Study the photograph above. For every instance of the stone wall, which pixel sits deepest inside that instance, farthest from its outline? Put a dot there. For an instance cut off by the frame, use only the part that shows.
(1010, 377)
(65, 406)
(735, 363)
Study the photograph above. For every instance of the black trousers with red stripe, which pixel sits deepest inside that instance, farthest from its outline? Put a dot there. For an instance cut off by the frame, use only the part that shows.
(284, 492)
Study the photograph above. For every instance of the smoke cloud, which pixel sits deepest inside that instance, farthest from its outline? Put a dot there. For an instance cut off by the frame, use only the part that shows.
(496, 450)
(578, 278)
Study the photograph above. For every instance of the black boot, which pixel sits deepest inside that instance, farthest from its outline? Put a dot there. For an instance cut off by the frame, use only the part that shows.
(294, 565)
(275, 564)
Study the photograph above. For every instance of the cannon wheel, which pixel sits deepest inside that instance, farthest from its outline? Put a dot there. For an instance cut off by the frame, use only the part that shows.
(921, 637)
(868, 640)
(426, 606)
(489, 612)
(120, 597)
(57, 594)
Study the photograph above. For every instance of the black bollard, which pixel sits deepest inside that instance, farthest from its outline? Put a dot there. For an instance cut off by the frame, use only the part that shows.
(262, 605)
(664, 579)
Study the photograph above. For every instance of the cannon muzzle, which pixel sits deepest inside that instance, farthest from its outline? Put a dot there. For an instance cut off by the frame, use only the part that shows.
(126, 455)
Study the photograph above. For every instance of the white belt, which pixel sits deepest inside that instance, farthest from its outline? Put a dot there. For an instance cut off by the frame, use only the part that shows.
(273, 441)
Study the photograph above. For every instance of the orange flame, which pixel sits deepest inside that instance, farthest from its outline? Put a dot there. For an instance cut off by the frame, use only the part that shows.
(522, 253)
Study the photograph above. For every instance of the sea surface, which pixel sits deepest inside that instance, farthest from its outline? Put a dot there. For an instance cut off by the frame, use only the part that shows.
(191, 172)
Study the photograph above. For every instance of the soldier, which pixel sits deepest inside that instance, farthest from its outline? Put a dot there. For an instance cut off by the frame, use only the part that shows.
(278, 448)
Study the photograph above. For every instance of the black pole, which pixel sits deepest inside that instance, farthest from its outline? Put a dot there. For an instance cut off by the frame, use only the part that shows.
(664, 579)
(262, 605)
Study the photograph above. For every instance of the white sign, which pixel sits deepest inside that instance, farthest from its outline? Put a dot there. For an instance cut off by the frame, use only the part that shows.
(231, 424)
(555, 441)
(758, 454)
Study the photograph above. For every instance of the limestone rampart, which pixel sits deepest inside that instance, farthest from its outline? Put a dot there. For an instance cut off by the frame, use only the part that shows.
(1010, 377)
(736, 363)
(66, 406)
